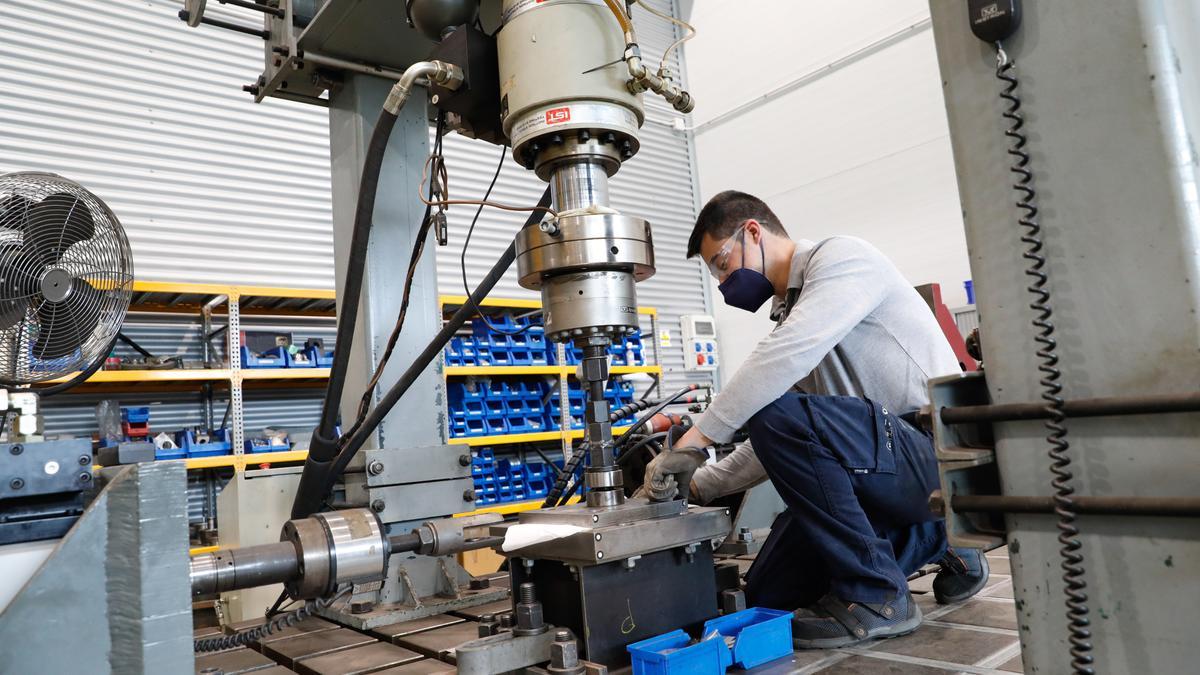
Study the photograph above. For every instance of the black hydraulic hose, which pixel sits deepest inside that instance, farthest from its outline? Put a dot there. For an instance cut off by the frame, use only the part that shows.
(422, 361)
(632, 451)
(134, 345)
(641, 421)
(323, 446)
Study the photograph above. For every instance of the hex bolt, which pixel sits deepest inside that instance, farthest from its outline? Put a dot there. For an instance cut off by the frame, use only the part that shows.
(16, 449)
(468, 495)
(479, 583)
(549, 227)
(375, 468)
(528, 593)
(435, 99)
(16, 483)
(562, 636)
(464, 460)
(378, 506)
(361, 607)
(85, 477)
(84, 460)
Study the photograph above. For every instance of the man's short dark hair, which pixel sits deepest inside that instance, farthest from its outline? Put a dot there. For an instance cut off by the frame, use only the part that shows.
(725, 212)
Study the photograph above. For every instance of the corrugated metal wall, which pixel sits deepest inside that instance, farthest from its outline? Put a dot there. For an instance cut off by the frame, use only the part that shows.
(148, 114)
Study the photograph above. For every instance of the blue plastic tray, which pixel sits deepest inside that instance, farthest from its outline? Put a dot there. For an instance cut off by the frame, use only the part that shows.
(670, 654)
(760, 635)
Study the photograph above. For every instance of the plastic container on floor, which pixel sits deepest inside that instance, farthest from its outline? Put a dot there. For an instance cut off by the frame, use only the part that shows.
(671, 654)
(760, 635)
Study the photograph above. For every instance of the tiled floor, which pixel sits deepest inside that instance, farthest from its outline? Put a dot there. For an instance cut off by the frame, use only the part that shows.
(977, 636)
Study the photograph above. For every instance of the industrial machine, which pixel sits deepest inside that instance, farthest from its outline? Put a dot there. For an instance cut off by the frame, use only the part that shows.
(561, 82)
(369, 544)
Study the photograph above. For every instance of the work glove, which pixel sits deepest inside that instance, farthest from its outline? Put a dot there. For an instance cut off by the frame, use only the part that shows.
(671, 469)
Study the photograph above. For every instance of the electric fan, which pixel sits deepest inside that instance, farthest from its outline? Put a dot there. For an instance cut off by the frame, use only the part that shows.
(66, 277)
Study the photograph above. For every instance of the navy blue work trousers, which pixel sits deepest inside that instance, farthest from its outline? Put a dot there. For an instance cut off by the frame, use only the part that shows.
(856, 480)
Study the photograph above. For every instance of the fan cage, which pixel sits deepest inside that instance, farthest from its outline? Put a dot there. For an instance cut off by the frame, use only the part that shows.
(66, 277)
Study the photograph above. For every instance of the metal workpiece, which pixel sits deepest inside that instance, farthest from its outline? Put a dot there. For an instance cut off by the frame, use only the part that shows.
(247, 567)
(618, 531)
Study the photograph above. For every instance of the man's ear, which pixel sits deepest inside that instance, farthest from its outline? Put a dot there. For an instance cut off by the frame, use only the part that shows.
(753, 231)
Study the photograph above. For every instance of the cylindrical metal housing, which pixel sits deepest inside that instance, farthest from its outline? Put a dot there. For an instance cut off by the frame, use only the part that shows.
(553, 76)
(582, 243)
(334, 548)
(587, 303)
(237, 568)
(579, 185)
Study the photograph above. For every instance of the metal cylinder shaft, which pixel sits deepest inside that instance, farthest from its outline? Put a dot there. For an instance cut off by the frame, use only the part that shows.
(579, 185)
(237, 568)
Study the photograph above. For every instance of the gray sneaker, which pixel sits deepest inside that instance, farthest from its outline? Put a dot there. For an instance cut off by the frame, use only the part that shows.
(832, 622)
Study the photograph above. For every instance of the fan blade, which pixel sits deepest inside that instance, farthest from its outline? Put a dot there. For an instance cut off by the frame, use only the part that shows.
(14, 212)
(65, 326)
(16, 288)
(55, 223)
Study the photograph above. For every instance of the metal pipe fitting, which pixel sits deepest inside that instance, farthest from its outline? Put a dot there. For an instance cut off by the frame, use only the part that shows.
(441, 73)
(579, 186)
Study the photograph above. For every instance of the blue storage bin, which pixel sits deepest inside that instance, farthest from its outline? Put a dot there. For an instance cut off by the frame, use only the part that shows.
(273, 358)
(256, 445)
(483, 353)
(760, 635)
(467, 397)
(301, 359)
(320, 358)
(177, 453)
(218, 443)
(670, 654)
(136, 415)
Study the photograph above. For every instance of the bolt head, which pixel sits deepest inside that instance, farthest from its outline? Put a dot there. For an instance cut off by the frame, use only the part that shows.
(478, 584)
(375, 468)
(361, 607)
(16, 483)
(85, 477)
(434, 99)
(378, 506)
(16, 449)
(468, 495)
(84, 460)
(464, 460)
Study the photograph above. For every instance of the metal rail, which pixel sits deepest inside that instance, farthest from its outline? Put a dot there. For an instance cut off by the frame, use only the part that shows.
(1082, 407)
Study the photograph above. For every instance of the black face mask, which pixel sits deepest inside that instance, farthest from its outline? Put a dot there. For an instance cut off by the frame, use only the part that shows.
(746, 288)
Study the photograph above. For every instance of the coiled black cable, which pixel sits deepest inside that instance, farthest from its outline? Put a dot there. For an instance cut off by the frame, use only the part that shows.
(1060, 462)
(243, 638)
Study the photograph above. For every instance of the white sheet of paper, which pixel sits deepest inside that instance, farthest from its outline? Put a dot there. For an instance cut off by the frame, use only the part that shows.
(528, 534)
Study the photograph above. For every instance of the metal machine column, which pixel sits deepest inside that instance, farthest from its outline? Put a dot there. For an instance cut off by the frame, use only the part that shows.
(1111, 100)
(417, 420)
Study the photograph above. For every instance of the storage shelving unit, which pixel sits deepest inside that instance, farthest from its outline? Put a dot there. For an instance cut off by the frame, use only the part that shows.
(214, 302)
(561, 372)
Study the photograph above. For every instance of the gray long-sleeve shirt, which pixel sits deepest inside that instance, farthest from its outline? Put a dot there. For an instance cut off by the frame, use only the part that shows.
(857, 328)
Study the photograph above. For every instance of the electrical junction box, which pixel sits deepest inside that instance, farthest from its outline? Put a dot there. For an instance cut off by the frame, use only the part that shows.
(700, 350)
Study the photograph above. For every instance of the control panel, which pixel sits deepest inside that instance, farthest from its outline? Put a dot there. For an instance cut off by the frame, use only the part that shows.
(700, 350)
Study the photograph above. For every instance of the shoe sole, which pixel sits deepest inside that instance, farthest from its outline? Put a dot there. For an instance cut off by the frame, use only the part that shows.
(898, 630)
(969, 593)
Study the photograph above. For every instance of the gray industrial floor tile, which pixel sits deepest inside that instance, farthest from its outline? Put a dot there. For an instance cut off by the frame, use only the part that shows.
(391, 631)
(999, 563)
(866, 665)
(983, 613)
(952, 645)
(926, 602)
(1000, 589)
(358, 660)
(1013, 665)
